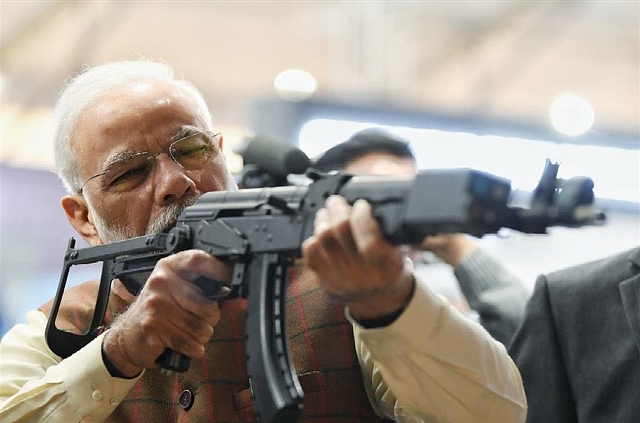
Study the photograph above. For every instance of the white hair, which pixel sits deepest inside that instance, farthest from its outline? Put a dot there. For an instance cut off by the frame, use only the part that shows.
(83, 89)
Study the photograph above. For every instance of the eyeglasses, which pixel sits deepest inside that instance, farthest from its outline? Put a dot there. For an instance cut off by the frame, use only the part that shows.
(131, 170)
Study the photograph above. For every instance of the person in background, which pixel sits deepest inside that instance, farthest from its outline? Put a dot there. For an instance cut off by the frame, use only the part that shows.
(578, 347)
(490, 289)
(136, 146)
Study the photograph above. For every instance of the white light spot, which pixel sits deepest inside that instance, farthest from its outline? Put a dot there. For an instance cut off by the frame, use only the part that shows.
(295, 85)
(571, 115)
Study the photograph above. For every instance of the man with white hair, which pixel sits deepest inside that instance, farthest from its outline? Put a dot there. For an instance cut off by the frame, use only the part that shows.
(134, 147)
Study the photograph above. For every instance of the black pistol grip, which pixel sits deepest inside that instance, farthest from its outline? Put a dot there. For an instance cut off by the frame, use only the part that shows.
(173, 362)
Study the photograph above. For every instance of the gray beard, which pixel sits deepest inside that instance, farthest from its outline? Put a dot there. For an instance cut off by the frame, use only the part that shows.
(118, 232)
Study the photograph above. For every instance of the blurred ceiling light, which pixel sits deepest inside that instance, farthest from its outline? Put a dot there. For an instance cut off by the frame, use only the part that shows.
(295, 84)
(571, 115)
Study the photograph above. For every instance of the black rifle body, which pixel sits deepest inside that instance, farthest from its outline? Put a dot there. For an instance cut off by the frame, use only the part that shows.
(261, 232)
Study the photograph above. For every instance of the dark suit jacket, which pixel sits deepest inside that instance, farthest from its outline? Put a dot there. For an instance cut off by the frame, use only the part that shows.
(578, 348)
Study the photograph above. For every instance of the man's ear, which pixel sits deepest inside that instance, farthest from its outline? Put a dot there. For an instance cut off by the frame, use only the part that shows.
(77, 211)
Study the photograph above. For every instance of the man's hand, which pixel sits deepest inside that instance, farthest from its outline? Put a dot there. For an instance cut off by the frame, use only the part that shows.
(354, 263)
(170, 312)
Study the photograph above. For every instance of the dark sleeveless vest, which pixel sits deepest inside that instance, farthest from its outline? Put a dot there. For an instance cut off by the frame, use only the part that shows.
(215, 388)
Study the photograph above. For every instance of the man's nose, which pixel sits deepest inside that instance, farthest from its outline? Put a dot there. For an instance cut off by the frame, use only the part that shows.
(171, 181)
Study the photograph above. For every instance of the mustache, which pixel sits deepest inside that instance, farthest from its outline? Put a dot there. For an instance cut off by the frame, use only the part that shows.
(170, 215)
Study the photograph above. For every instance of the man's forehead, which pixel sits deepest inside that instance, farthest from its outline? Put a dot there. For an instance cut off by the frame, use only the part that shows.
(381, 163)
(140, 96)
(132, 118)
(138, 108)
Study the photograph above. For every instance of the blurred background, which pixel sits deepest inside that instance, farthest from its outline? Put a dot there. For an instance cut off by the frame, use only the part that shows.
(498, 86)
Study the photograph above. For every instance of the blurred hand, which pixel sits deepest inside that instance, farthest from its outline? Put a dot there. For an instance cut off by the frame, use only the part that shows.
(451, 248)
(169, 312)
(354, 264)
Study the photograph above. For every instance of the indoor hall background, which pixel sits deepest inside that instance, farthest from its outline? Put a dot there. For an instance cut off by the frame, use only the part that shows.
(488, 68)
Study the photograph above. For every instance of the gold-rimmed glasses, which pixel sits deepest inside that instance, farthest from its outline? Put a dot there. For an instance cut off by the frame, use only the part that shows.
(130, 169)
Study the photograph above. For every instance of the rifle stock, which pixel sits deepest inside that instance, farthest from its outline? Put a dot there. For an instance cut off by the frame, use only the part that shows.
(261, 231)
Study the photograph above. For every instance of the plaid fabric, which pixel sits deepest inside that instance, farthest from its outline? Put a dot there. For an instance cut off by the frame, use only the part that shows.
(321, 343)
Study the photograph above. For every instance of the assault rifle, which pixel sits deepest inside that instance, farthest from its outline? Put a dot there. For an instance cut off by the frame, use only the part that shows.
(261, 231)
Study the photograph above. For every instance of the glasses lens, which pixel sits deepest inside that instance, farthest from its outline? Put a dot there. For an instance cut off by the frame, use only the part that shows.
(195, 151)
(128, 174)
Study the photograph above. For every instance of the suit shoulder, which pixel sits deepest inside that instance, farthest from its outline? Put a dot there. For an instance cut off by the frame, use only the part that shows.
(597, 273)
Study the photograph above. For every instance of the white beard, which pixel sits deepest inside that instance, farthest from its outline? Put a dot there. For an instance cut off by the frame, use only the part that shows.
(116, 232)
